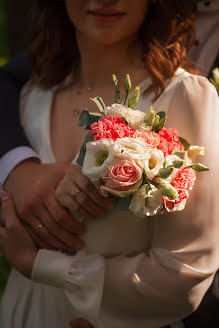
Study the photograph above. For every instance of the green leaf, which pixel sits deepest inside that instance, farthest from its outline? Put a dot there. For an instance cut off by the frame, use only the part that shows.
(100, 104)
(185, 143)
(161, 115)
(88, 119)
(82, 153)
(199, 167)
(180, 154)
(178, 164)
(164, 173)
(123, 203)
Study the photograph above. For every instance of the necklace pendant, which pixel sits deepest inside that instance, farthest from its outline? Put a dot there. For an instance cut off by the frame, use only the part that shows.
(75, 112)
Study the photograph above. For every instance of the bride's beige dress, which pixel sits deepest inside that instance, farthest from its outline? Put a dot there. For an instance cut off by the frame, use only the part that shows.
(133, 272)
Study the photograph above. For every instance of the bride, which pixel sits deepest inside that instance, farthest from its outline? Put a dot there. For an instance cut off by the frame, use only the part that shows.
(131, 272)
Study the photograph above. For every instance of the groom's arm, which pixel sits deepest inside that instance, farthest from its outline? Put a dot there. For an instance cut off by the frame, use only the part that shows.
(14, 146)
(31, 184)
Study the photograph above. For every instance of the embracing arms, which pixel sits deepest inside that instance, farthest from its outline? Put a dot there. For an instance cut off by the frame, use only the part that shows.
(169, 280)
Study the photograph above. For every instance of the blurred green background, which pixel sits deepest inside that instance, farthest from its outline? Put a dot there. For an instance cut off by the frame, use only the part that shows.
(4, 51)
(13, 27)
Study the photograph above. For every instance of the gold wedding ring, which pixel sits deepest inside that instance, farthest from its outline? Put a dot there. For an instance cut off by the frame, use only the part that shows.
(75, 193)
(38, 227)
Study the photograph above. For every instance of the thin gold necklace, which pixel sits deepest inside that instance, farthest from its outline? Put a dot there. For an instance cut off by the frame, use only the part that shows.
(78, 92)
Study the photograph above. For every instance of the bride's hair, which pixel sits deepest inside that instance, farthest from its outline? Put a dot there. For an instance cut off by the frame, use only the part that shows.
(166, 35)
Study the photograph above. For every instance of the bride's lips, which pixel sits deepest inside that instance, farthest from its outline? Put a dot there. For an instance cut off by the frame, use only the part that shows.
(106, 15)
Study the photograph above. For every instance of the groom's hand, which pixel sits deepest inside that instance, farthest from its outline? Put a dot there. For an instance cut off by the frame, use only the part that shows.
(32, 187)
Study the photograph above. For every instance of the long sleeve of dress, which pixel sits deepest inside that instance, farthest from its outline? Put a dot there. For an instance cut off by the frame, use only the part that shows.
(168, 281)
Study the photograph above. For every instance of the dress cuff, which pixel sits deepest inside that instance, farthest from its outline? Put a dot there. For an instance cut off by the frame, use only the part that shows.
(51, 268)
(12, 159)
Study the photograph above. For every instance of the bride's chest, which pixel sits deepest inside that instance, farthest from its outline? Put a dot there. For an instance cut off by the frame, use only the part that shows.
(65, 134)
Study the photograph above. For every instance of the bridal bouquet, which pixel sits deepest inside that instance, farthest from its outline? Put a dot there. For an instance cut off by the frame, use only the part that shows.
(146, 166)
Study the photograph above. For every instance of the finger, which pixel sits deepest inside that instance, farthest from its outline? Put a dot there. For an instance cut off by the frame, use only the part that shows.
(8, 212)
(89, 205)
(75, 208)
(89, 188)
(64, 195)
(54, 227)
(63, 217)
(40, 230)
(67, 186)
(38, 242)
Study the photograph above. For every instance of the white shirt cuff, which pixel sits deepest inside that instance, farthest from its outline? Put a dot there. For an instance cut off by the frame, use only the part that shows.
(51, 268)
(12, 159)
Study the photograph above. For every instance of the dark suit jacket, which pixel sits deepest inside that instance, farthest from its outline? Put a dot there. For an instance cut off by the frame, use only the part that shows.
(12, 78)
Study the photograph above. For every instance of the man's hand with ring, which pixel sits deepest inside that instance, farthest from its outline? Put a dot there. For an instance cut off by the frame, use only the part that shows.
(80, 196)
(32, 188)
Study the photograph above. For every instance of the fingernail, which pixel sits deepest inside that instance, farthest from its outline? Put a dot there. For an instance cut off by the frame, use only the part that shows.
(3, 195)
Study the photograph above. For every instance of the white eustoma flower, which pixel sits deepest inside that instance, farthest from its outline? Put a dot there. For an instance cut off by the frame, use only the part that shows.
(153, 163)
(99, 154)
(144, 204)
(130, 148)
(134, 117)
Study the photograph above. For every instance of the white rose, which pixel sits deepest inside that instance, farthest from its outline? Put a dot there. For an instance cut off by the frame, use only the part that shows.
(130, 148)
(146, 205)
(99, 154)
(154, 163)
(134, 117)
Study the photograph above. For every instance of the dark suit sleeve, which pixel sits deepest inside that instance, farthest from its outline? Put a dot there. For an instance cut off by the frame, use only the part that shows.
(12, 78)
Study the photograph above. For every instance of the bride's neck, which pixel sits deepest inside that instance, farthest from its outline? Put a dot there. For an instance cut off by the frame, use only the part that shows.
(99, 62)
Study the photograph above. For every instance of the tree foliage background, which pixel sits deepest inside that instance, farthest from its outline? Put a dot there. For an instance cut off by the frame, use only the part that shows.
(13, 27)
(4, 51)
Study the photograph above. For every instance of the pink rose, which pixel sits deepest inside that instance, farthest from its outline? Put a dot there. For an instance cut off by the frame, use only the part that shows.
(123, 174)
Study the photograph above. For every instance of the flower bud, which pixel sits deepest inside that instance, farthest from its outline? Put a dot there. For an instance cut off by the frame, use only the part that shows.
(168, 190)
(133, 99)
(115, 81)
(195, 151)
(128, 84)
(150, 116)
(199, 167)
(215, 73)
